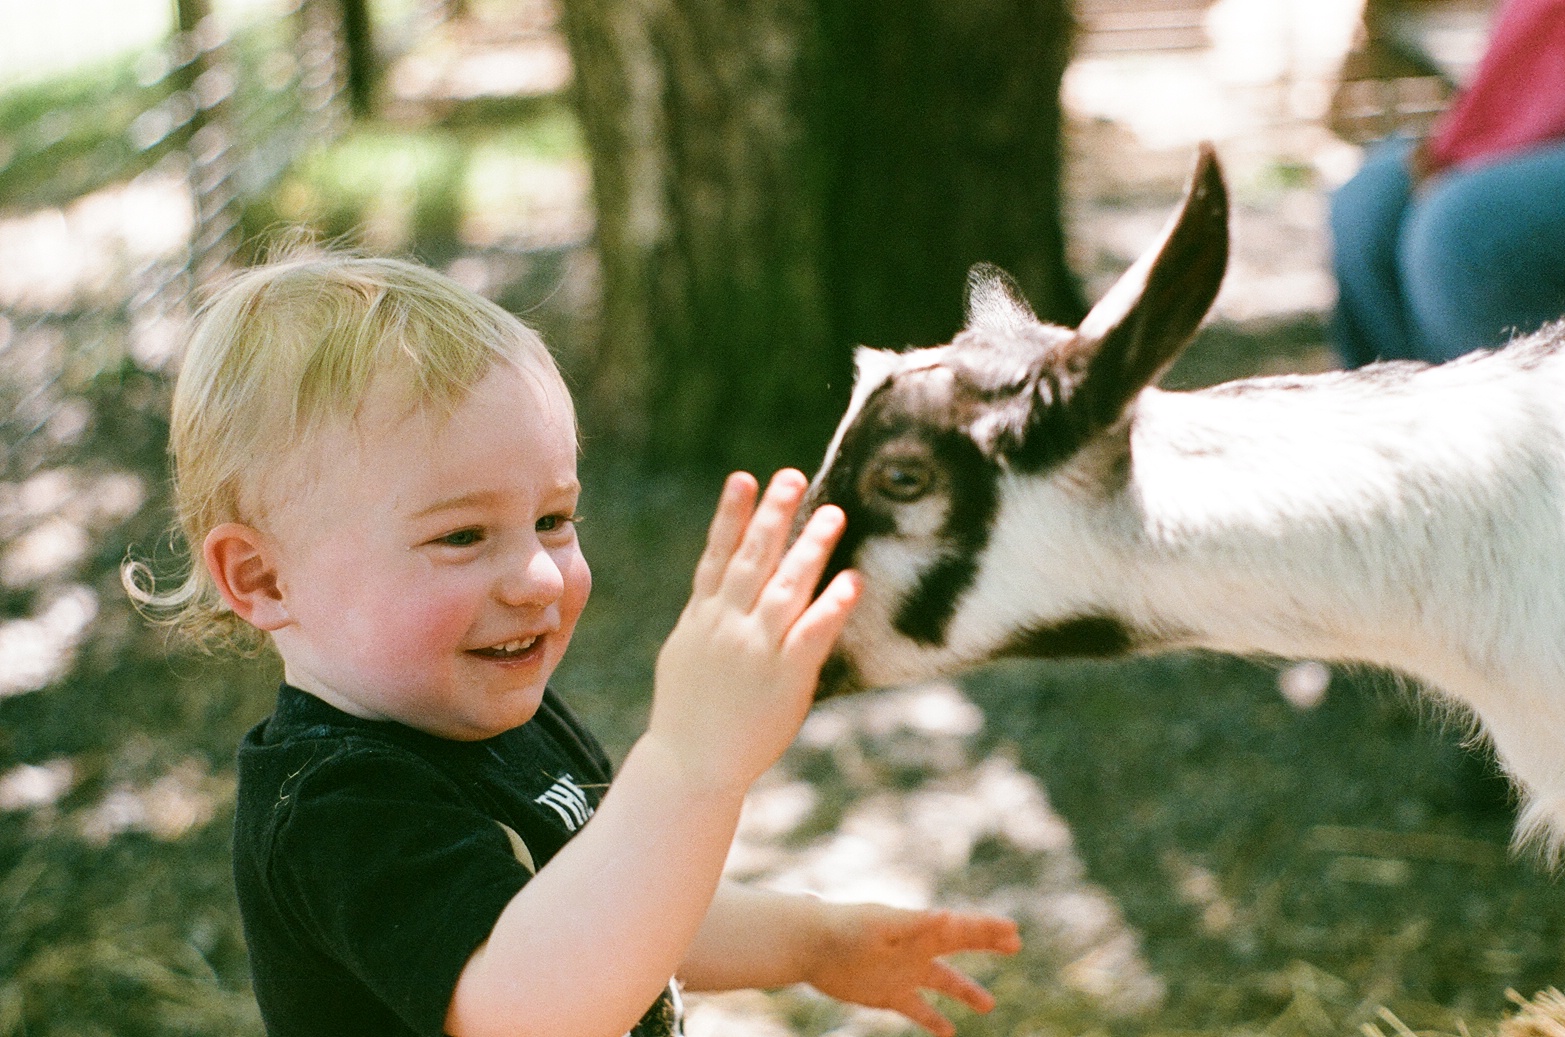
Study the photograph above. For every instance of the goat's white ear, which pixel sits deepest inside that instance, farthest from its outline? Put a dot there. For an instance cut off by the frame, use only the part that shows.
(1136, 330)
(995, 304)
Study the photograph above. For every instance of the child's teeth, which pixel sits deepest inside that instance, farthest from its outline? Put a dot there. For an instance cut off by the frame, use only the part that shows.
(507, 649)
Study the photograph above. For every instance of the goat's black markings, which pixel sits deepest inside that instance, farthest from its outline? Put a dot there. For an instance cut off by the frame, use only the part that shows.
(925, 614)
(1085, 637)
(862, 521)
(1056, 427)
(1045, 430)
(969, 487)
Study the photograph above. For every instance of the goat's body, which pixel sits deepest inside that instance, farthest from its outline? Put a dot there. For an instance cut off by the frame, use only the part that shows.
(1021, 492)
(1410, 519)
(1413, 518)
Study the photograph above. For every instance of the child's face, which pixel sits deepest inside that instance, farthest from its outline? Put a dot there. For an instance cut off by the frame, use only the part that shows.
(430, 568)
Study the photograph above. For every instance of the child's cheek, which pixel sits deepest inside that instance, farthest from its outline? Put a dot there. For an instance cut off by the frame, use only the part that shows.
(421, 629)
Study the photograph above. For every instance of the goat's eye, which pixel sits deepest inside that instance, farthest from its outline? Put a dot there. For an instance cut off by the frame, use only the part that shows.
(902, 479)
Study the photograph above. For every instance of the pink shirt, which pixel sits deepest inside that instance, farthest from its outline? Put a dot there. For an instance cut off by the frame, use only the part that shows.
(1517, 96)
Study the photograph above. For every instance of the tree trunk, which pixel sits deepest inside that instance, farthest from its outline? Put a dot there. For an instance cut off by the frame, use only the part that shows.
(358, 36)
(778, 181)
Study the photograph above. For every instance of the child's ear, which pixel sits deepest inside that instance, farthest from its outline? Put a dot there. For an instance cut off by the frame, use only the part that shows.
(243, 566)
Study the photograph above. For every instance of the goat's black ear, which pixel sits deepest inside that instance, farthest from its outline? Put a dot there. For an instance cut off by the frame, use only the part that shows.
(1137, 330)
(995, 304)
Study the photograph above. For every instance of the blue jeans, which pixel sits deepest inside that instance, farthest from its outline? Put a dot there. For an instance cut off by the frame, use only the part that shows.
(1473, 258)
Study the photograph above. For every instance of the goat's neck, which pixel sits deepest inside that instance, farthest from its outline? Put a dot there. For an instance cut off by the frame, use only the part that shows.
(1307, 523)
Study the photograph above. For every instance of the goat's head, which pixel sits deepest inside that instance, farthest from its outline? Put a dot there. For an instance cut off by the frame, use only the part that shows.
(933, 438)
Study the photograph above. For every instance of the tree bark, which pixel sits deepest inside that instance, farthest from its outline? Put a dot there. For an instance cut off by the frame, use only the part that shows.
(778, 181)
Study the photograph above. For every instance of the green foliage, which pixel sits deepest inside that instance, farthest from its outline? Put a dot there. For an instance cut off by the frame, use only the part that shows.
(69, 136)
(412, 189)
(137, 937)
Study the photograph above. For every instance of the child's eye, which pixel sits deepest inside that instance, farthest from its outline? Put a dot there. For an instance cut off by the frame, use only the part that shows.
(556, 523)
(461, 538)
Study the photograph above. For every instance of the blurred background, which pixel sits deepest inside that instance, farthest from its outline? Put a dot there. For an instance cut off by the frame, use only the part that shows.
(703, 206)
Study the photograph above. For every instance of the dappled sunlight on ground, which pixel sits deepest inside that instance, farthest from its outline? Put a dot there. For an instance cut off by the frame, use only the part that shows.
(451, 65)
(501, 51)
(49, 524)
(49, 521)
(37, 651)
(185, 797)
(1168, 103)
(519, 204)
(166, 804)
(94, 251)
(30, 787)
(1263, 80)
(919, 803)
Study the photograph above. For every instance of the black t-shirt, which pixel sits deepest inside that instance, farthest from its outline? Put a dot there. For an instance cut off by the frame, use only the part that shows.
(371, 859)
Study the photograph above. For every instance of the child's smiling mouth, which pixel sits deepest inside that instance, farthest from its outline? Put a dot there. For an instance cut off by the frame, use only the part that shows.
(516, 648)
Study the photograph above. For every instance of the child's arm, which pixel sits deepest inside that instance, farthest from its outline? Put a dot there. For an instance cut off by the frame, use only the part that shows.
(866, 954)
(587, 945)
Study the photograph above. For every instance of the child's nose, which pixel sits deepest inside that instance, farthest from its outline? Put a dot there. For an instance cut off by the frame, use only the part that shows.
(533, 579)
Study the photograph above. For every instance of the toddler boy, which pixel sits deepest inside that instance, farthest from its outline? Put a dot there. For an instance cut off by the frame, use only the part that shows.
(378, 469)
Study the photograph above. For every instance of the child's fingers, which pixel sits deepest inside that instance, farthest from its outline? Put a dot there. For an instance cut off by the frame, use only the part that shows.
(924, 1014)
(957, 985)
(764, 539)
(735, 506)
(790, 589)
(965, 932)
(814, 632)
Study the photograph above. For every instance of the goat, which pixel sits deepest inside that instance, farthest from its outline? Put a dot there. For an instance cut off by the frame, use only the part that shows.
(1026, 490)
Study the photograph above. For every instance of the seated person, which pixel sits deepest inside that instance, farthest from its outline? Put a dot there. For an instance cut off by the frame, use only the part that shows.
(1458, 243)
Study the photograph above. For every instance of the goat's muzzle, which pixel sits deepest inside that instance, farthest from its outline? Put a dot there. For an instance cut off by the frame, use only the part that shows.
(838, 677)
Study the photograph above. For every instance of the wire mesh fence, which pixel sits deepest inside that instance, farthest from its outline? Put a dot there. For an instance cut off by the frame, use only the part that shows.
(122, 183)
(123, 178)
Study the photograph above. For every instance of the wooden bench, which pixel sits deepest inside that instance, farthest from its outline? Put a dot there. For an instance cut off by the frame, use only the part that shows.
(1126, 26)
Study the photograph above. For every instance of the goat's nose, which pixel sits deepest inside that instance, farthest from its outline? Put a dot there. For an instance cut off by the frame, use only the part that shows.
(838, 677)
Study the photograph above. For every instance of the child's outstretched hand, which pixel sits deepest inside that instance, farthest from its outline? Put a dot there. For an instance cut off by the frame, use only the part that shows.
(881, 957)
(738, 674)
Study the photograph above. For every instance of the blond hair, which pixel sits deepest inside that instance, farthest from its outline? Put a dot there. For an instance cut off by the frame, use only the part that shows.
(282, 349)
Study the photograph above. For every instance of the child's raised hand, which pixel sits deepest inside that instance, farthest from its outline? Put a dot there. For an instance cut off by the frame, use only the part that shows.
(737, 675)
(881, 957)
